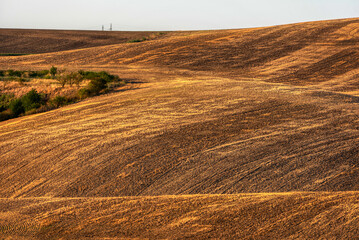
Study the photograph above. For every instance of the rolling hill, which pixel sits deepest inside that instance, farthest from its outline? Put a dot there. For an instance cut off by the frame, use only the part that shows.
(28, 41)
(256, 121)
(244, 216)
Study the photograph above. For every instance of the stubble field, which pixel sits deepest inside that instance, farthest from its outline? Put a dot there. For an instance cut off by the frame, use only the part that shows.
(233, 134)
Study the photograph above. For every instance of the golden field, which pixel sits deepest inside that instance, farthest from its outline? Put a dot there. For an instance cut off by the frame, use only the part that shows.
(228, 134)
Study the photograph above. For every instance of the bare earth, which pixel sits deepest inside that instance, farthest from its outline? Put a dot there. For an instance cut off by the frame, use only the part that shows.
(233, 134)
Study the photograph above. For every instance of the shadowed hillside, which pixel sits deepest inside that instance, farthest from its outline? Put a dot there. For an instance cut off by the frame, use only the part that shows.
(23, 41)
(210, 112)
(185, 136)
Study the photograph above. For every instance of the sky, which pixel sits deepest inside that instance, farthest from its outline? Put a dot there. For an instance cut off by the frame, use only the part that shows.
(160, 15)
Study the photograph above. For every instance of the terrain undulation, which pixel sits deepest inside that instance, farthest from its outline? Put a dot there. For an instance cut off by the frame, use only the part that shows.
(229, 134)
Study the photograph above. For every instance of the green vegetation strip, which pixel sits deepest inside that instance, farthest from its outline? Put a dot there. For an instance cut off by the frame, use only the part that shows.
(33, 102)
(14, 54)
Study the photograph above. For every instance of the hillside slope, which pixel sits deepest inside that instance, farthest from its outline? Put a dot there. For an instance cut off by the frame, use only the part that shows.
(263, 123)
(185, 136)
(192, 131)
(29, 41)
(245, 216)
(322, 53)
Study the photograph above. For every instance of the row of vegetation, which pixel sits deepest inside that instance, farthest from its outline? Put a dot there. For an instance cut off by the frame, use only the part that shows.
(14, 54)
(34, 102)
(61, 76)
(137, 40)
(146, 38)
(13, 74)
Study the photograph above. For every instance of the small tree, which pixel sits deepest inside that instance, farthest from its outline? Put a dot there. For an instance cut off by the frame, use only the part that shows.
(84, 93)
(13, 73)
(97, 85)
(31, 100)
(62, 80)
(59, 101)
(16, 107)
(53, 71)
(74, 77)
(78, 78)
(5, 100)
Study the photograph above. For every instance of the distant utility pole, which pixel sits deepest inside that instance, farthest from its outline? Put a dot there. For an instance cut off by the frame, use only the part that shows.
(111, 27)
(103, 28)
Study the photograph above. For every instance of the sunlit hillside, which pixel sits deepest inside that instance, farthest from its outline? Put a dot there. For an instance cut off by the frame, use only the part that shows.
(269, 115)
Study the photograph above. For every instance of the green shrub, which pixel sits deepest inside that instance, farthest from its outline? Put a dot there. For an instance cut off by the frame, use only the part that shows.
(108, 77)
(137, 40)
(59, 101)
(5, 100)
(62, 79)
(53, 71)
(13, 73)
(39, 74)
(16, 107)
(93, 88)
(89, 75)
(84, 93)
(134, 41)
(13, 54)
(95, 75)
(32, 74)
(42, 73)
(31, 100)
(10, 72)
(97, 85)
(74, 77)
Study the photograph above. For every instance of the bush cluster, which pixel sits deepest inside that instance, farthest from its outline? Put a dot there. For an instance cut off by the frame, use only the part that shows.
(60, 101)
(38, 74)
(29, 101)
(53, 71)
(98, 79)
(95, 75)
(5, 100)
(14, 54)
(14, 74)
(99, 82)
(35, 102)
(137, 40)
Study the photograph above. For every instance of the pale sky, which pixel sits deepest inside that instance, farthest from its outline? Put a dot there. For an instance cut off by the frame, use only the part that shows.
(168, 14)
